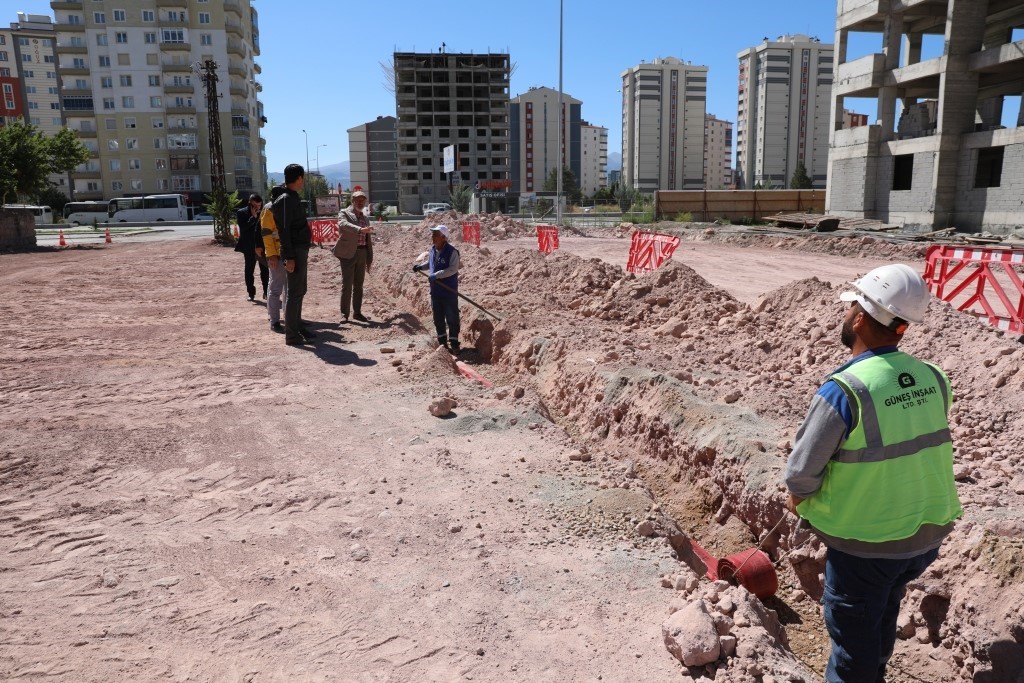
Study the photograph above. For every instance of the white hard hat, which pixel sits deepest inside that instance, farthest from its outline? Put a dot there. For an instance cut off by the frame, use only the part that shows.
(891, 292)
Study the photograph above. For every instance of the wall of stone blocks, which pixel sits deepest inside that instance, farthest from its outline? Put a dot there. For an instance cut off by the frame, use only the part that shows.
(998, 210)
(851, 186)
(17, 230)
(910, 208)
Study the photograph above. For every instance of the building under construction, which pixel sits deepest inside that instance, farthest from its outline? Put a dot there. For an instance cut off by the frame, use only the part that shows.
(946, 148)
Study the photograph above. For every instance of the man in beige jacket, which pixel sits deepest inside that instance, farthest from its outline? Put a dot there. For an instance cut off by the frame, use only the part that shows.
(355, 251)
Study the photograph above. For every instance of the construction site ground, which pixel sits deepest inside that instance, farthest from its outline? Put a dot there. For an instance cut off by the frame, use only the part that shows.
(185, 498)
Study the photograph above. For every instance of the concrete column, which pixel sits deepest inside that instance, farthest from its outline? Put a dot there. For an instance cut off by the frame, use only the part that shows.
(911, 49)
(958, 100)
(891, 38)
(838, 57)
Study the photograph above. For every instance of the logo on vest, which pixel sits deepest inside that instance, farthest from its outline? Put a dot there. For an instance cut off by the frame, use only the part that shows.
(906, 380)
(911, 394)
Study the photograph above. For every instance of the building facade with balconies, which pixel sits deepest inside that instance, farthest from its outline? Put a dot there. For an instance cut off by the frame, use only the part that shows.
(717, 153)
(783, 111)
(450, 99)
(534, 118)
(130, 88)
(373, 159)
(663, 107)
(595, 158)
(945, 149)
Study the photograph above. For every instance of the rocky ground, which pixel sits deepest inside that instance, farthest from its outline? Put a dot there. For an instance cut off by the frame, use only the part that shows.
(185, 498)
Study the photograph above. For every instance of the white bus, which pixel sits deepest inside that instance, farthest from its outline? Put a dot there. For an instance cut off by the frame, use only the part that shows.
(155, 207)
(42, 215)
(85, 213)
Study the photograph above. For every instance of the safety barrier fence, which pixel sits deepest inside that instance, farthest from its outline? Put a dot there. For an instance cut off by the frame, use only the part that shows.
(983, 281)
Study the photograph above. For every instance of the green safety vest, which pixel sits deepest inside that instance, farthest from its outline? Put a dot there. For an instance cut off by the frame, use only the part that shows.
(894, 472)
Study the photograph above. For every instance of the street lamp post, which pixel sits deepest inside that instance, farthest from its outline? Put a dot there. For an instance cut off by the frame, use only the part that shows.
(561, 122)
(318, 157)
(307, 161)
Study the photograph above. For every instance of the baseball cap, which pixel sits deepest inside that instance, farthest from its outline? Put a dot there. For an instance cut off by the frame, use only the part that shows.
(443, 229)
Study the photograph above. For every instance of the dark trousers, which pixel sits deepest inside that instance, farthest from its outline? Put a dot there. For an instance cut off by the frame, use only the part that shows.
(296, 292)
(353, 272)
(862, 604)
(250, 266)
(446, 312)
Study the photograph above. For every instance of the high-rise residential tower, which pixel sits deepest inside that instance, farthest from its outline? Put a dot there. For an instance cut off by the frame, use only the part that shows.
(457, 99)
(717, 153)
(784, 99)
(595, 158)
(129, 86)
(663, 107)
(534, 119)
(373, 159)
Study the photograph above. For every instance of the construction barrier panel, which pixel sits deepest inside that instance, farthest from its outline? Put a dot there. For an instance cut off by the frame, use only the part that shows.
(649, 250)
(547, 238)
(707, 205)
(324, 230)
(982, 281)
(471, 232)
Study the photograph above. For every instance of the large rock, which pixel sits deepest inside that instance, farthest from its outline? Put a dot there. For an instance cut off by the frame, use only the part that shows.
(690, 635)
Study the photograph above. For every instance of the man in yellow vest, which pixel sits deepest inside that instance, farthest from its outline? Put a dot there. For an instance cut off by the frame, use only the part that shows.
(872, 472)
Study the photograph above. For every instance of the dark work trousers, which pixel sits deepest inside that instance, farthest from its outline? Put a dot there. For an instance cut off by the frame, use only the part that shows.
(353, 271)
(250, 266)
(296, 292)
(446, 312)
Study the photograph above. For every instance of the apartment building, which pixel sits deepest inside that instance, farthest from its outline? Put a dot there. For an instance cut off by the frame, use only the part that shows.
(717, 153)
(129, 85)
(534, 119)
(663, 108)
(784, 100)
(457, 99)
(595, 158)
(946, 148)
(373, 159)
(12, 95)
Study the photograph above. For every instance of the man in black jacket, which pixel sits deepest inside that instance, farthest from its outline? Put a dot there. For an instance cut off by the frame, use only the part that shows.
(296, 239)
(250, 243)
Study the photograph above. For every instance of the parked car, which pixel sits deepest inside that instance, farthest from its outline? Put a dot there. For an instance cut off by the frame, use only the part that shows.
(436, 207)
(203, 217)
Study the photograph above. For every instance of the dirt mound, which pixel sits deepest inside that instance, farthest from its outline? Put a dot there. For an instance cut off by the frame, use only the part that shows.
(493, 226)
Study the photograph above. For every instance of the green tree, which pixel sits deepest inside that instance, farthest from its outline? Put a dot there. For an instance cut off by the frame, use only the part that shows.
(53, 198)
(461, 195)
(316, 186)
(626, 195)
(605, 195)
(27, 158)
(570, 185)
(222, 206)
(800, 179)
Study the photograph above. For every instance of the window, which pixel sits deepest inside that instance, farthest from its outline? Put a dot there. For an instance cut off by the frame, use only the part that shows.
(131, 143)
(74, 19)
(152, 59)
(156, 101)
(55, 105)
(154, 81)
(30, 89)
(161, 164)
(150, 38)
(128, 102)
(105, 61)
(158, 123)
(902, 172)
(106, 82)
(113, 145)
(129, 122)
(119, 15)
(99, 17)
(172, 36)
(108, 102)
(33, 105)
(110, 124)
(204, 17)
(136, 184)
(76, 63)
(205, 39)
(158, 143)
(92, 186)
(126, 80)
(134, 164)
(3, 56)
(121, 37)
(123, 59)
(115, 164)
(163, 184)
(990, 167)
(148, 15)
(117, 186)
(101, 39)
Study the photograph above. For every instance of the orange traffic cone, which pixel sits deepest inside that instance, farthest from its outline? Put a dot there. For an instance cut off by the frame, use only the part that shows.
(106, 237)
(236, 232)
(62, 242)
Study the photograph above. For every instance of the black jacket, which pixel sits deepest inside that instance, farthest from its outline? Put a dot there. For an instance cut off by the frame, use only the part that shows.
(249, 237)
(291, 223)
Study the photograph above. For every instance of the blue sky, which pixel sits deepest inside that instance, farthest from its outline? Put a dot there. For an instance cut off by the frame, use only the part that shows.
(321, 58)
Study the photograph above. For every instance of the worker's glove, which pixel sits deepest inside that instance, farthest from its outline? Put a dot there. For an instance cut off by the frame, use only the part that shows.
(415, 268)
(432, 277)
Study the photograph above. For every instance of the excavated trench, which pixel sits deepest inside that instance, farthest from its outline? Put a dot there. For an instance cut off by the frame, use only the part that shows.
(704, 394)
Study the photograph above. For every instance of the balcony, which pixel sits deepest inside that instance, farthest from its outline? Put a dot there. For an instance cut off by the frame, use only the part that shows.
(176, 67)
(72, 50)
(73, 70)
(237, 69)
(86, 175)
(65, 27)
(239, 91)
(182, 109)
(233, 6)
(172, 3)
(67, 4)
(76, 92)
(167, 22)
(86, 133)
(257, 68)
(235, 28)
(87, 195)
(861, 77)
(179, 89)
(175, 47)
(236, 47)
(186, 128)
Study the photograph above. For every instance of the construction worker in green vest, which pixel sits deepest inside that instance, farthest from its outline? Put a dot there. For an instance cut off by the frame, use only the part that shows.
(872, 472)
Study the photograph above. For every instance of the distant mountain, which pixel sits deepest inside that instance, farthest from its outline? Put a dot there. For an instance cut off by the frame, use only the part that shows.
(614, 161)
(334, 173)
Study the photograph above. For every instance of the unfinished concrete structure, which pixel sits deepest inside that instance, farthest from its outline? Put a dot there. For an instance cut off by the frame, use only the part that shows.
(940, 153)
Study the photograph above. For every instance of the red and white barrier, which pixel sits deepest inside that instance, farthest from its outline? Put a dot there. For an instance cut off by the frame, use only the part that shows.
(649, 250)
(983, 281)
(471, 232)
(324, 230)
(547, 238)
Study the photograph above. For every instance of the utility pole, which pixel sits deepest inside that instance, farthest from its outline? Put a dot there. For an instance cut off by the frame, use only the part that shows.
(208, 74)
